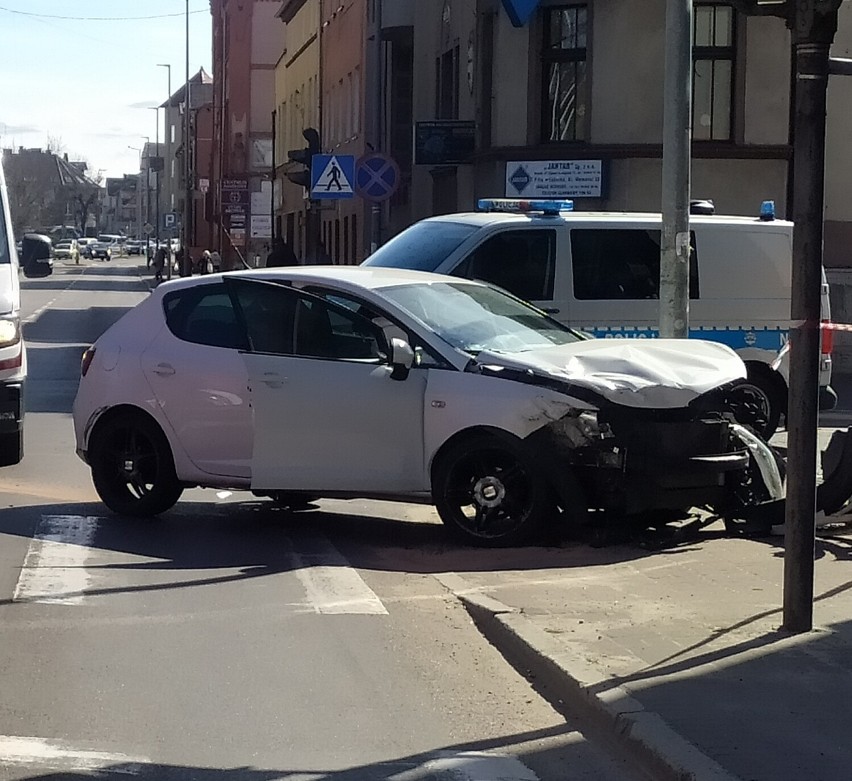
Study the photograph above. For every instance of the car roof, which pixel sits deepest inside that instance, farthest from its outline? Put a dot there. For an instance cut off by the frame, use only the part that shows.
(364, 277)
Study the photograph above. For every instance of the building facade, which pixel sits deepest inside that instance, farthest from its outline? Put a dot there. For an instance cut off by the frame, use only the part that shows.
(247, 43)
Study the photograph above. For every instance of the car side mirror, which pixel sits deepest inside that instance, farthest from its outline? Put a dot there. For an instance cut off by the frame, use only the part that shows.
(402, 359)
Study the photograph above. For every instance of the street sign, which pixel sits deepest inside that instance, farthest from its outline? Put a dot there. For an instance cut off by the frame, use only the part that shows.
(332, 176)
(148, 228)
(171, 220)
(376, 177)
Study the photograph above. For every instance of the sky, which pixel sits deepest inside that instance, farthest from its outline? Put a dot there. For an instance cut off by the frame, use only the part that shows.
(90, 84)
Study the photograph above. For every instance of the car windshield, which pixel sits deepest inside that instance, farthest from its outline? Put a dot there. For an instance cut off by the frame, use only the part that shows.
(474, 318)
(423, 246)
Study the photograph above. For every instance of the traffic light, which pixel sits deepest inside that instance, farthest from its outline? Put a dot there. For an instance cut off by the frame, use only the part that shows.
(304, 156)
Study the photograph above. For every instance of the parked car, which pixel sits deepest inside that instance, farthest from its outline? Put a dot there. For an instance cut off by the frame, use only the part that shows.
(356, 382)
(135, 247)
(67, 249)
(101, 250)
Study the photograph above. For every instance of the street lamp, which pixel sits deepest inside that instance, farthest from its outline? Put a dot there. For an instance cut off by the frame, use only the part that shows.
(156, 170)
(168, 155)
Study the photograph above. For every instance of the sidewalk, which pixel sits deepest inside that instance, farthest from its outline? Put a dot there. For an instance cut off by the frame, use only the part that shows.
(679, 652)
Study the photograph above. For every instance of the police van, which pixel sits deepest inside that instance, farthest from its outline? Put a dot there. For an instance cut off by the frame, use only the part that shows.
(600, 272)
(13, 361)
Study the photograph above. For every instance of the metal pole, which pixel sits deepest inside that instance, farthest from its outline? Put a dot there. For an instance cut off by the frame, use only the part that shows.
(187, 228)
(376, 211)
(168, 143)
(677, 121)
(809, 180)
(156, 172)
(273, 179)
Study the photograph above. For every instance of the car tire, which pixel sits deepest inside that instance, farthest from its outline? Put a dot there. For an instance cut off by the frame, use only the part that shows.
(489, 492)
(768, 400)
(11, 448)
(132, 466)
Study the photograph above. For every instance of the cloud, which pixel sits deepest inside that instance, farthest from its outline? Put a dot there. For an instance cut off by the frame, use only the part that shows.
(11, 130)
(144, 104)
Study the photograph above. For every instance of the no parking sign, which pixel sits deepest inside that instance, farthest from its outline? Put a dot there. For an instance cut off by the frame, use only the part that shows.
(376, 177)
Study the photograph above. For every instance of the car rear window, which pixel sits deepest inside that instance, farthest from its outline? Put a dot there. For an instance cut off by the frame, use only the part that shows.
(205, 315)
(423, 246)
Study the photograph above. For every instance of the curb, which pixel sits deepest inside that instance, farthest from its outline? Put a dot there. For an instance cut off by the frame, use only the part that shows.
(570, 684)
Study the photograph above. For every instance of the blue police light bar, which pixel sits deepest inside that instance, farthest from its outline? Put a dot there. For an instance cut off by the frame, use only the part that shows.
(515, 206)
(767, 211)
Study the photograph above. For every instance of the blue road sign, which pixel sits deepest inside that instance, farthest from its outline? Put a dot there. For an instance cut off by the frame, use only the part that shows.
(332, 176)
(376, 177)
(520, 11)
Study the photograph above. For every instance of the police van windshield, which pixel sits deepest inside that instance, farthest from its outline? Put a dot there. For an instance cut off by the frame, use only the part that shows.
(423, 246)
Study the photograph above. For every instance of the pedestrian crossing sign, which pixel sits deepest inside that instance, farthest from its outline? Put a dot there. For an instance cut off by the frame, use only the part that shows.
(332, 176)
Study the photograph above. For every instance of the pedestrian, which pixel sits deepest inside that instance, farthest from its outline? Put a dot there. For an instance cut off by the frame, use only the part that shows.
(159, 263)
(281, 255)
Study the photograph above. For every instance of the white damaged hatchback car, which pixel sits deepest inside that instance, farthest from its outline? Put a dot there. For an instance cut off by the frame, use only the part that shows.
(369, 382)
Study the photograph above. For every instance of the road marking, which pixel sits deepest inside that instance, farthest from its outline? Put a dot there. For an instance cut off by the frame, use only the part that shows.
(56, 754)
(332, 585)
(468, 766)
(54, 570)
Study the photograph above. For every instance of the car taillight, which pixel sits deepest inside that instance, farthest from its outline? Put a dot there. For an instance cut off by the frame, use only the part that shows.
(827, 342)
(88, 356)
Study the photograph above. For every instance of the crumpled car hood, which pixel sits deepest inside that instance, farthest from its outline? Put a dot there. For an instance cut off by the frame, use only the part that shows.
(654, 374)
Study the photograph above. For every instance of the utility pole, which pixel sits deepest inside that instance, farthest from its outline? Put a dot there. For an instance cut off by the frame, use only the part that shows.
(168, 142)
(813, 24)
(187, 227)
(677, 137)
(378, 114)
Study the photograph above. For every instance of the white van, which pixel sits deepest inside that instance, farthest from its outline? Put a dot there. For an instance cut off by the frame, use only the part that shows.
(13, 359)
(599, 272)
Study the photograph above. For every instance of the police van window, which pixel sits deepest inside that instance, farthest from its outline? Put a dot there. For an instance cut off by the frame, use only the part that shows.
(521, 262)
(613, 264)
(423, 246)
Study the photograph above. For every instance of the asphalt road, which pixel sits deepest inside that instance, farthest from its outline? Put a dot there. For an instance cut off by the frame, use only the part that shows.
(229, 640)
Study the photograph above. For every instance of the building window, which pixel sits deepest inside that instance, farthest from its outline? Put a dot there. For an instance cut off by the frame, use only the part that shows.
(173, 134)
(447, 85)
(564, 82)
(713, 72)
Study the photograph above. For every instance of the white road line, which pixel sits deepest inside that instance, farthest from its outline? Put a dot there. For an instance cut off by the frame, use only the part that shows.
(54, 570)
(469, 766)
(332, 585)
(55, 754)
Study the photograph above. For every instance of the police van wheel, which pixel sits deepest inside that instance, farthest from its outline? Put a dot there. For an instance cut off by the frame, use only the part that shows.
(767, 400)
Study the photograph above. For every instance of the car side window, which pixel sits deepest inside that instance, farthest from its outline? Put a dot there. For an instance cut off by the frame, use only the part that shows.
(622, 264)
(204, 315)
(268, 312)
(325, 331)
(521, 261)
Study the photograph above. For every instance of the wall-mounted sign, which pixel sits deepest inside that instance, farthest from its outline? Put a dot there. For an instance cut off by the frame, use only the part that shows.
(261, 226)
(556, 179)
(444, 141)
(520, 11)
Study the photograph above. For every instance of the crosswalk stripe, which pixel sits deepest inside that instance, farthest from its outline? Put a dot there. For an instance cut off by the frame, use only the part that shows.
(333, 587)
(15, 750)
(54, 570)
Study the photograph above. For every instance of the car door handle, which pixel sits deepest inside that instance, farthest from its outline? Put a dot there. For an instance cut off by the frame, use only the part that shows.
(164, 369)
(550, 311)
(273, 380)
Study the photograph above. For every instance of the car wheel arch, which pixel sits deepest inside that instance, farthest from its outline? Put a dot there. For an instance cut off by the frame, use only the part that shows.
(124, 409)
(569, 491)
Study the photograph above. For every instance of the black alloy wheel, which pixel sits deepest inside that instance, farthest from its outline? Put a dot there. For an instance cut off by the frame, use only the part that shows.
(132, 466)
(489, 492)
